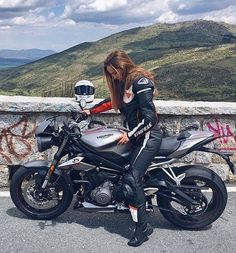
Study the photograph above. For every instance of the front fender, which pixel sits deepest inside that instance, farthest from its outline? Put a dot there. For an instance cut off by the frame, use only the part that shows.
(42, 164)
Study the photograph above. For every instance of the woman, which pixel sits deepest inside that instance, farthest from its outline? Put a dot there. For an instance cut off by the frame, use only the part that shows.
(131, 89)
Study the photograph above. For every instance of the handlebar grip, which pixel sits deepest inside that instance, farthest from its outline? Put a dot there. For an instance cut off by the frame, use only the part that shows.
(76, 130)
(84, 116)
(79, 116)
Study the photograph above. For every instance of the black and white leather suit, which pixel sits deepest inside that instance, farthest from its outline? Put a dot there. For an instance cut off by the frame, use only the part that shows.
(144, 132)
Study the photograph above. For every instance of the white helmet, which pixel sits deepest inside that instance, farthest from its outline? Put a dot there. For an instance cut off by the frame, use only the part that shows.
(84, 90)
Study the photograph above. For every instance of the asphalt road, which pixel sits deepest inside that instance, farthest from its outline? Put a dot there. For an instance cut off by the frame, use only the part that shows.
(78, 232)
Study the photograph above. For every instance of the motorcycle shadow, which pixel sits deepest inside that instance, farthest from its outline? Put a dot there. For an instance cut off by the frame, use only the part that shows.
(118, 223)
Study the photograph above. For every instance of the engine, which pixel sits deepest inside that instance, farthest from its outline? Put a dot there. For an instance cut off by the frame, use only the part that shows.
(102, 194)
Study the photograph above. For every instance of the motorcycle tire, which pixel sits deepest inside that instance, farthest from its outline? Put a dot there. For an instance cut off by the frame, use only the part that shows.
(23, 191)
(214, 207)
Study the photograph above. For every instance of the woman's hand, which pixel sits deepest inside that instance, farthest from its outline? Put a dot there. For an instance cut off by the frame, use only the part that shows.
(87, 112)
(124, 138)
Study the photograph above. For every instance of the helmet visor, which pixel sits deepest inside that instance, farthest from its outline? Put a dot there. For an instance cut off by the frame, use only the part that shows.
(84, 90)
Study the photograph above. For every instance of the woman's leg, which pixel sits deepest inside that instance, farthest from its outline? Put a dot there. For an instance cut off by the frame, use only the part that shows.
(140, 160)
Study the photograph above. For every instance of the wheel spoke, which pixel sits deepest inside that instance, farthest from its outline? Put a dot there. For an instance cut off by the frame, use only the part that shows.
(193, 188)
(37, 199)
(208, 191)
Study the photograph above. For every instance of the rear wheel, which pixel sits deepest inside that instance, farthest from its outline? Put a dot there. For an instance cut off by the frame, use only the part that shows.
(211, 196)
(29, 198)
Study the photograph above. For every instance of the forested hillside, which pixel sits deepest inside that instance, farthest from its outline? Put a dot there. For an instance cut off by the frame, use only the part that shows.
(190, 60)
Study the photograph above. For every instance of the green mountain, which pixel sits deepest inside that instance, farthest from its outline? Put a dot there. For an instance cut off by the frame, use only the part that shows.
(191, 61)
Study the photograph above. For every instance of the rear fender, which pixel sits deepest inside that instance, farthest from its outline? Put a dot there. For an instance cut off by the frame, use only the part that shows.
(158, 177)
(162, 181)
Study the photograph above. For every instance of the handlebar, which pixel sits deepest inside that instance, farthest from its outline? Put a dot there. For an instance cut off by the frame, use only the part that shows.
(75, 129)
(78, 116)
(71, 126)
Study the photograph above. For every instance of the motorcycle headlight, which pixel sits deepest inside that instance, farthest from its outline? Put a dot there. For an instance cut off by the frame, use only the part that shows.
(44, 143)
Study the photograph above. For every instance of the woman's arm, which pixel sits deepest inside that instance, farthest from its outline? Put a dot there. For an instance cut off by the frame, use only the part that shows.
(103, 106)
(143, 90)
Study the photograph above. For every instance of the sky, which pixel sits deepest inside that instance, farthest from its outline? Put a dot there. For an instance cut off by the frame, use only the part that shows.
(61, 24)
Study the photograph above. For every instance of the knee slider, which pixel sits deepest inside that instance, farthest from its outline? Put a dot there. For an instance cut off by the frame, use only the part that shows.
(129, 186)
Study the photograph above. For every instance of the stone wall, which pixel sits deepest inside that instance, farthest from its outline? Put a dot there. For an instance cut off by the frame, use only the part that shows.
(19, 117)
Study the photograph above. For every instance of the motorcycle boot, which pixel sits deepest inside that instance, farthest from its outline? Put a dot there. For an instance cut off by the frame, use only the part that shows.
(142, 228)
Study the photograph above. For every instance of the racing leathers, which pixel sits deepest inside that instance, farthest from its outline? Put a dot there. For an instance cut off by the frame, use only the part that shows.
(144, 132)
(138, 108)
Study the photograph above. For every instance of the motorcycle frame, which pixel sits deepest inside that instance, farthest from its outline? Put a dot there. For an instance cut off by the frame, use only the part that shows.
(75, 147)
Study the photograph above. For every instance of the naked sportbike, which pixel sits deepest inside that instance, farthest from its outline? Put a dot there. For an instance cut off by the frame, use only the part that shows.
(90, 165)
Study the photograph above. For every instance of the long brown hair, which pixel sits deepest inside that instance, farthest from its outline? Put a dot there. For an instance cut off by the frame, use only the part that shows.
(118, 59)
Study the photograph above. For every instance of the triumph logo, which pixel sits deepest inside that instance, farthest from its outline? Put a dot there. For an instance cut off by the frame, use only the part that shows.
(104, 136)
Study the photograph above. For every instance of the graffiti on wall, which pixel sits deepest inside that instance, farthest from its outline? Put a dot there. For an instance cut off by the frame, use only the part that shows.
(15, 136)
(227, 134)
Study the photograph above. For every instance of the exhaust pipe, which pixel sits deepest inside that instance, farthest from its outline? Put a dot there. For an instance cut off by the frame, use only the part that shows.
(89, 207)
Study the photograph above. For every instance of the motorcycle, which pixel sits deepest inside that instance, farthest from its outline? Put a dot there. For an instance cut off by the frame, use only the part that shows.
(90, 165)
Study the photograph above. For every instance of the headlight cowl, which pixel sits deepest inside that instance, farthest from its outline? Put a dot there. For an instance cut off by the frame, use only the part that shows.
(44, 142)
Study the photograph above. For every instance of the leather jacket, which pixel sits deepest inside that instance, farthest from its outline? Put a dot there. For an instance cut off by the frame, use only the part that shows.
(138, 107)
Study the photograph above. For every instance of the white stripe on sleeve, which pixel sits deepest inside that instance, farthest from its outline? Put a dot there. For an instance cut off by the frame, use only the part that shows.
(133, 131)
(143, 90)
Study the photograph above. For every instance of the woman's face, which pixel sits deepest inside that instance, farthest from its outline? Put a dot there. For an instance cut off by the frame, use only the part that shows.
(115, 73)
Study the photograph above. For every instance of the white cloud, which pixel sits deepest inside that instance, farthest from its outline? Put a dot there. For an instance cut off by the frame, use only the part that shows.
(101, 5)
(84, 6)
(142, 11)
(227, 15)
(7, 27)
(27, 4)
(26, 12)
(168, 17)
(16, 7)
(187, 7)
(74, 21)
(19, 3)
(113, 11)
(29, 20)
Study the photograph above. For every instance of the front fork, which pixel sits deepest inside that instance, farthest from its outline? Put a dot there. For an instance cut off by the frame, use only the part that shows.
(55, 161)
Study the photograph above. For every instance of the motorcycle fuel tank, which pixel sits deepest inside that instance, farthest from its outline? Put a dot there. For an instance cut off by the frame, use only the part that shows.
(105, 140)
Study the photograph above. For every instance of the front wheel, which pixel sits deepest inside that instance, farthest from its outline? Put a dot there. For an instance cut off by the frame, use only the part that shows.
(26, 193)
(211, 196)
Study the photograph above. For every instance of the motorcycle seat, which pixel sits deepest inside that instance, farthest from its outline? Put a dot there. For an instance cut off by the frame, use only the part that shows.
(168, 145)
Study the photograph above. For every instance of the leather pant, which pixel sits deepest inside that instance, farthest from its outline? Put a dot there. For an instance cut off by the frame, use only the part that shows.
(147, 148)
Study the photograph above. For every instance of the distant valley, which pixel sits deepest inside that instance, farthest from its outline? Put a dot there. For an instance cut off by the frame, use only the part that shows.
(194, 60)
(13, 58)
